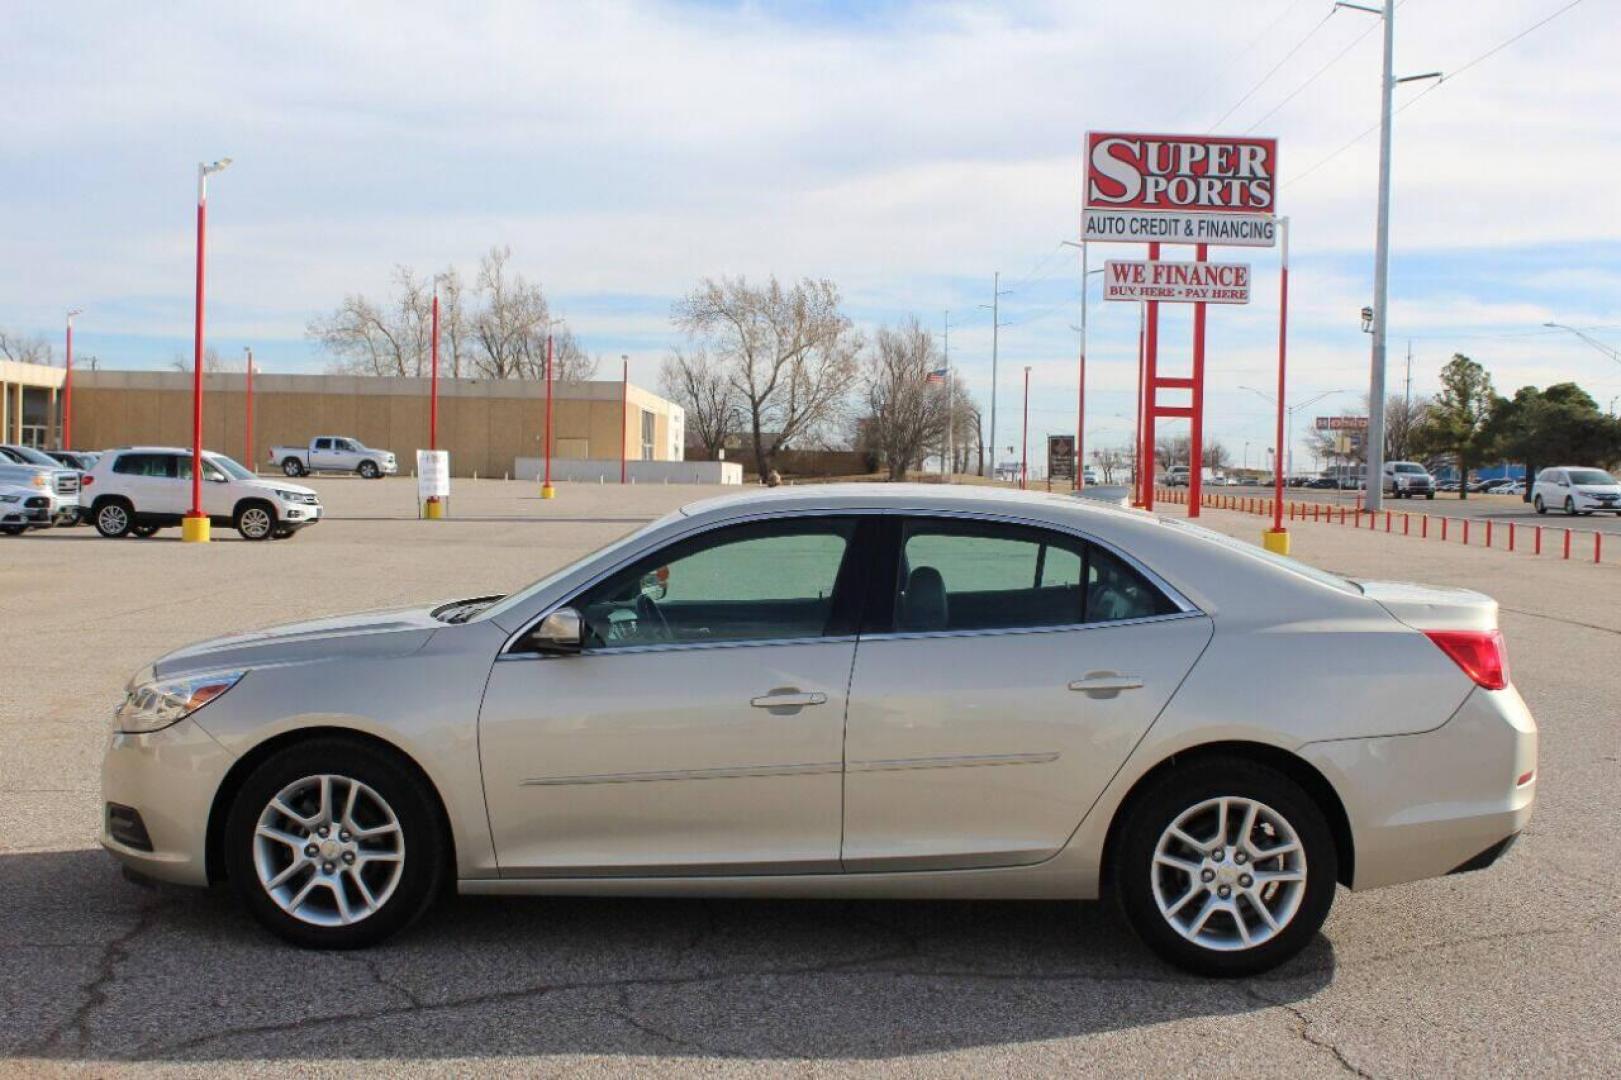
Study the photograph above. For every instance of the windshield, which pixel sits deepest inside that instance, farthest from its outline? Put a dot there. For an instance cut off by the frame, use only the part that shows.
(34, 457)
(230, 467)
(522, 595)
(1591, 476)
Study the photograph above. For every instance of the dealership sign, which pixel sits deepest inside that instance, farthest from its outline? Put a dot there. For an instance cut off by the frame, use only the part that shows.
(1176, 282)
(1342, 423)
(1181, 189)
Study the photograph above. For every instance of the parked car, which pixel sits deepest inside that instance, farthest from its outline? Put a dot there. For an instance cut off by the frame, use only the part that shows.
(1321, 482)
(59, 485)
(1576, 489)
(847, 690)
(83, 460)
(23, 507)
(137, 490)
(1176, 476)
(1089, 475)
(1408, 480)
(27, 455)
(334, 453)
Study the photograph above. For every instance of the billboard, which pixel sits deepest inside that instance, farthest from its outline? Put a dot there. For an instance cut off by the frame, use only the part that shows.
(1176, 282)
(1342, 423)
(1181, 189)
(1060, 457)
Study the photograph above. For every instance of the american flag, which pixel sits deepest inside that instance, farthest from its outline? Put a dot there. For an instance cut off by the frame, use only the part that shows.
(938, 375)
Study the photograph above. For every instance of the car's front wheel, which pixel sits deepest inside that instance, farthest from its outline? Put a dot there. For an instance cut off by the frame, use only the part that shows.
(1570, 506)
(1225, 867)
(255, 521)
(368, 470)
(334, 844)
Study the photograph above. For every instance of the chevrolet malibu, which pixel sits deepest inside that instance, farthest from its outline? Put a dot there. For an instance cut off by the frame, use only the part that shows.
(866, 691)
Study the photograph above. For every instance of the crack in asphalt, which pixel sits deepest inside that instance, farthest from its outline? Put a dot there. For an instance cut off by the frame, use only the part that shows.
(113, 954)
(1303, 1030)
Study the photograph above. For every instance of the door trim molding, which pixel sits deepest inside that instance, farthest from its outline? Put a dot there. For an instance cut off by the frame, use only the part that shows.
(736, 772)
(963, 761)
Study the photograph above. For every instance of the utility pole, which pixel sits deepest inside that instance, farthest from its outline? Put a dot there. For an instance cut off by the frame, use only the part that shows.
(948, 465)
(997, 293)
(1407, 394)
(67, 399)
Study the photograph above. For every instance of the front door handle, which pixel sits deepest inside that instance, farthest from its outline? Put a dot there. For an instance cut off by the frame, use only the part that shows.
(788, 699)
(1106, 684)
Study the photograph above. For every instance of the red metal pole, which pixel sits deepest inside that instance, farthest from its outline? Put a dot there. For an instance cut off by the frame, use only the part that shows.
(546, 485)
(1024, 434)
(1080, 411)
(433, 378)
(624, 422)
(247, 423)
(1598, 546)
(67, 393)
(1137, 498)
(1196, 423)
(196, 510)
(1283, 348)
(1150, 393)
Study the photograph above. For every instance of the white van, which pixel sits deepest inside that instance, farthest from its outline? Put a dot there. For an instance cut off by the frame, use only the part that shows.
(1576, 489)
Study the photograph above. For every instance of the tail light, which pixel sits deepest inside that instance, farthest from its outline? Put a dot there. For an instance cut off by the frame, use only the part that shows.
(1480, 653)
(86, 480)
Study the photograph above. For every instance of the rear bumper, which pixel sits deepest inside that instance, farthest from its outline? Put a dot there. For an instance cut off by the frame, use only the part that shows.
(1446, 800)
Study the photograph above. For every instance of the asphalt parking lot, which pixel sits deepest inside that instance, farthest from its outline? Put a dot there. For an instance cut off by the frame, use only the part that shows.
(1516, 970)
(1481, 506)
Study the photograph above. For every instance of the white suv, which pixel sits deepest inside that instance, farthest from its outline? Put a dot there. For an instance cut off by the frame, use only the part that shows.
(137, 490)
(1576, 490)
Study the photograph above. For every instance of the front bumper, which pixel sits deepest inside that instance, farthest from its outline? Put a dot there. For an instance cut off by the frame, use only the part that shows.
(169, 778)
(1425, 805)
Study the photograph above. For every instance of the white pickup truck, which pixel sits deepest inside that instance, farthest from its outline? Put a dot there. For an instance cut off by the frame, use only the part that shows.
(334, 453)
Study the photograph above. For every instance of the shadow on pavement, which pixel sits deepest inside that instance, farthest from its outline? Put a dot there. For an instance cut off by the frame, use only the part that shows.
(99, 967)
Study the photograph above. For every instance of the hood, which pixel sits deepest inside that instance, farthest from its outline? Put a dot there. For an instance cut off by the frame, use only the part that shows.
(397, 632)
(1599, 489)
(268, 484)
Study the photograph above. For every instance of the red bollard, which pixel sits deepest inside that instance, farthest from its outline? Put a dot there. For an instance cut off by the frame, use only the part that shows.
(1444, 529)
(1598, 548)
(1567, 543)
(1424, 527)
(1407, 524)
(1387, 521)
(1465, 532)
(1511, 536)
(1488, 534)
(1342, 515)
(1536, 548)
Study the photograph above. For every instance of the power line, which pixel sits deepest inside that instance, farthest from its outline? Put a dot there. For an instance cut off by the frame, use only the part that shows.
(1274, 69)
(1317, 75)
(1428, 90)
(1256, 40)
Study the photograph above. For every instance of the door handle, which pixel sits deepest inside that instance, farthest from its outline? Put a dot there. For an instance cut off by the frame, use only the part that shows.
(788, 699)
(1106, 684)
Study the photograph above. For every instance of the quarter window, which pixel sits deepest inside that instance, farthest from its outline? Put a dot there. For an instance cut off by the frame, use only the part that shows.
(989, 576)
(762, 581)
(160, 466)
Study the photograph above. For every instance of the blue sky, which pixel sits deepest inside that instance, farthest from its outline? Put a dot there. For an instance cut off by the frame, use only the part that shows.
(907, 151)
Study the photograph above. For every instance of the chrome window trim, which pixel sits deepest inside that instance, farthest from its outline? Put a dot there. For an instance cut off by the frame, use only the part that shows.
(989, 631)
(675, 646)
(1186, 607)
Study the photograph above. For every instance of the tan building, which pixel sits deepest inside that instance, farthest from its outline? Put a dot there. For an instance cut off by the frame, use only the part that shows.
(486, 425)
(30, 403)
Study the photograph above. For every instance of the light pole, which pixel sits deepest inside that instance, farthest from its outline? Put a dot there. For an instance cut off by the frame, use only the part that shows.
(1080, 401)
(1024, 433)
(247, 425)
(1608, 350)
(194, 526)
(67, 388)
(997, 292)
(546, 489)
(1290, 410)
(624, 418)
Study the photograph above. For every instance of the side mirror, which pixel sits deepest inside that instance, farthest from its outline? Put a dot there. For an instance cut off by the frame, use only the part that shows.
(561, 633)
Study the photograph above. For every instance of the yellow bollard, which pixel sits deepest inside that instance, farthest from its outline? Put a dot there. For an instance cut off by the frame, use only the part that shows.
(194, 530)
(548, 492)
(1276, 541)
(433, 510)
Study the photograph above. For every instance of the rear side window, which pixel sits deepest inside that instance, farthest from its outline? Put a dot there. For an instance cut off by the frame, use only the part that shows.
(972, 575)
(161, 466)
(323, 444)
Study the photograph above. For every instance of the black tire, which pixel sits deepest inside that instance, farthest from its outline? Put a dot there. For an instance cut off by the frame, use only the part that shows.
(255, 519)
(425, 850)
(1429, 494)
(142, 532)
(293, 467)
(114, 517)
(368, 470)
(1538, 504)
(1570, 506)
(1174, 793)
(13, 530)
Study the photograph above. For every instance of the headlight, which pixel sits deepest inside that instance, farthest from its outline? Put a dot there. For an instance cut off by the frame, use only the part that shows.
(11, 498)
(288, 496)
(151, 706)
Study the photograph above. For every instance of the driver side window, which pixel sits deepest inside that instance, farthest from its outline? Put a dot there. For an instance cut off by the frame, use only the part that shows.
(762, 581)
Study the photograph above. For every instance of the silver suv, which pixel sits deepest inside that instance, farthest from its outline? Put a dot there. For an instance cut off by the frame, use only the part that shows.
(1408, 480)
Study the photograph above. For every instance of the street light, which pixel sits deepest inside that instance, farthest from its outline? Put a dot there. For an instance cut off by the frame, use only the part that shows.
(194, 526)
(546, 489)
(247, 435)
(1024, 433)
(1080, 404)
(1608, 350)
(1289, 411)
(67, 388)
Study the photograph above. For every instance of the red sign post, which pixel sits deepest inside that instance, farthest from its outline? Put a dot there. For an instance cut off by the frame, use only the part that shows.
(1178, 189)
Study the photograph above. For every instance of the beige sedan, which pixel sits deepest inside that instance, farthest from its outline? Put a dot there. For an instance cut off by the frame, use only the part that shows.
(865, 691)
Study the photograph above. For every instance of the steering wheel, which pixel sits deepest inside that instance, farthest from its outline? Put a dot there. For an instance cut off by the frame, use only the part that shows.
(648, 613)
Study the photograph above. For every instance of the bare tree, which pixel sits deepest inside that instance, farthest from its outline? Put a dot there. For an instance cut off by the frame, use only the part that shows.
(906, 412)
(392, 338)
(1110, 460)
(455, 325)
(24, 348)
(700, 386)
(212, 364)
(790, 354)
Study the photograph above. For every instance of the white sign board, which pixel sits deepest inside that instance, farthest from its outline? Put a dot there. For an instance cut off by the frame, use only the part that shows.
(1146, 227)
(1176, 282)
(433, 474)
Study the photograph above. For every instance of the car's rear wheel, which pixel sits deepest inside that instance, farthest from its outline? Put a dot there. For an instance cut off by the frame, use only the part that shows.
(255, 521)
(293, 467)
(334, 844)
(1225, 867)
(114, 518)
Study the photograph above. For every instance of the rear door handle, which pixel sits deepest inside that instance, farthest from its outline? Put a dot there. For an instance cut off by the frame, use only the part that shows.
(1106, 684)
(788, 700)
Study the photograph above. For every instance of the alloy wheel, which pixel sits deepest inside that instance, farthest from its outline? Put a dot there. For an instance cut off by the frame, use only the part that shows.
(1229, 873)
(329, 850)
(256, 522)
(113, 520)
